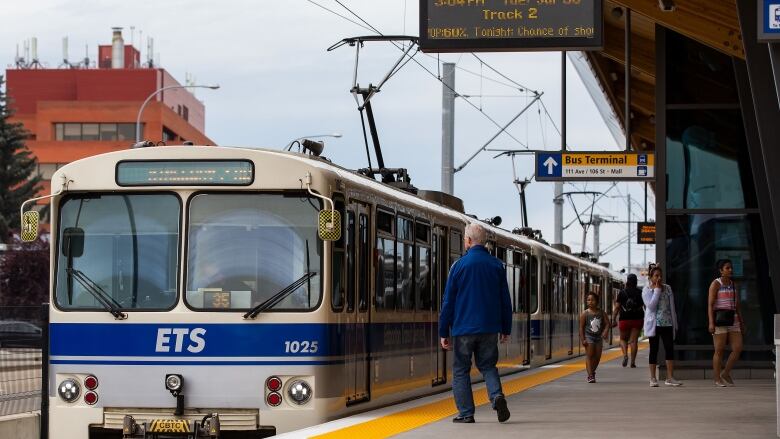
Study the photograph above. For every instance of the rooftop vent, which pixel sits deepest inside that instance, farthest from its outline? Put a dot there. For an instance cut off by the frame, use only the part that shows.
(443, 199)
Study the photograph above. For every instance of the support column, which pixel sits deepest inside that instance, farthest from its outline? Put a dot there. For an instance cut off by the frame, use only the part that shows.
(448, 129)
(558, 200)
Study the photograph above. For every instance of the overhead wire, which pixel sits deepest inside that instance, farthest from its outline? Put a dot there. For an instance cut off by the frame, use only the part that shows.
(438, 78)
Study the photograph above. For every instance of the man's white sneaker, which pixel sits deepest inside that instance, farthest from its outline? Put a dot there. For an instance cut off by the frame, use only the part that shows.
(673, 382)
(653, 382)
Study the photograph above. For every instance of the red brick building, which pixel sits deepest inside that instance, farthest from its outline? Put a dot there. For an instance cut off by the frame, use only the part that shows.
(73, 113)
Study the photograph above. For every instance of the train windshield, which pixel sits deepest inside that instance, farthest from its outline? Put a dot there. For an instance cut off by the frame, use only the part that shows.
(242, 249)
(118, 249)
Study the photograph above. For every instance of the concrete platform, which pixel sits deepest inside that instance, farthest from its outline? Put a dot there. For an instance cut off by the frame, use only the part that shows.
(621, 404)
(556, 402)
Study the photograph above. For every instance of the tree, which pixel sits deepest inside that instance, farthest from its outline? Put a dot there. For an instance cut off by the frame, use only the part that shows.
(24, 273)
(19, 180)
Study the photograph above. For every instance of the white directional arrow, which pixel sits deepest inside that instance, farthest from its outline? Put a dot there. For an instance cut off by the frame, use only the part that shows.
(550, 163)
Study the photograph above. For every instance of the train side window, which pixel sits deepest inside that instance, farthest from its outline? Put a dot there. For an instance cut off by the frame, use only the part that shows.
(435, 257)
(423, 283)
(534, 274)
(364, 264)
(384, 222)
(386, 263)
(456, 242)
(422, 234)
(351, 247)
(510, 281)
(337, 285)
(405, 264)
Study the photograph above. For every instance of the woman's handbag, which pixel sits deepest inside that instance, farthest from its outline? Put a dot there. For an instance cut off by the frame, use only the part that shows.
(724, 317)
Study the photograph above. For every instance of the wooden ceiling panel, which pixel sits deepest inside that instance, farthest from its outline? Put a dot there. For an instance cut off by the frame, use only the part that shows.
(700, 20)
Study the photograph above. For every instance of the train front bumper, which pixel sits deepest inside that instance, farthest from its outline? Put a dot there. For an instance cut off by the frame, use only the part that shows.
(208, 427)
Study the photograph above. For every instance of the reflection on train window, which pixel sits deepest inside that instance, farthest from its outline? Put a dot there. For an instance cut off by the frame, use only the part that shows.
(384, 221)
(404, 272)
(364, 264)
(245, 248)
(456, 242)
(423, 275)
(337, 285)
(534, 285)
(351, 248)
(385, 274)
(130, 249)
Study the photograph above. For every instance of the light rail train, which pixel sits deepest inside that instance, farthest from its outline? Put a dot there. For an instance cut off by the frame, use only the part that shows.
(192, 291)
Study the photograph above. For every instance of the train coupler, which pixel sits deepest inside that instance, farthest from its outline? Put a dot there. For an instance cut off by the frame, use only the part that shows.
(208, 427)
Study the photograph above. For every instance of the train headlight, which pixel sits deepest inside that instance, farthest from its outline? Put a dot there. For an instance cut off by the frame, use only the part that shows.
(173, 383)
(300, 392)
(69, 390)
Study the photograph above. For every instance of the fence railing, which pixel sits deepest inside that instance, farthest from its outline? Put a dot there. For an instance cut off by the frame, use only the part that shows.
(21, 337)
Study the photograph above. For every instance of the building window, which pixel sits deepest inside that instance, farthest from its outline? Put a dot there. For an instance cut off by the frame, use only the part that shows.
(707, 161)
(72, 131)
(90, 131)
(168, 135)
(126, 131)
(107, 131)
(86, 131)
(694, 243)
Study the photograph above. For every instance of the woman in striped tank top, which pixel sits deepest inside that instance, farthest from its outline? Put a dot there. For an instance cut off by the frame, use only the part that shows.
(723, 296)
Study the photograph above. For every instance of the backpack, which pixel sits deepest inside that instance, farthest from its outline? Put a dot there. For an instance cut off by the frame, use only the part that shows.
(631, 304)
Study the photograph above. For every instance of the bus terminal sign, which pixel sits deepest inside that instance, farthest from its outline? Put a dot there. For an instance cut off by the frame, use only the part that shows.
(510, 25)
(595, 166)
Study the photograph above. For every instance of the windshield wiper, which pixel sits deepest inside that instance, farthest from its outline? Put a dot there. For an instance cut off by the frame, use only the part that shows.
(108, 302)
(281, 295)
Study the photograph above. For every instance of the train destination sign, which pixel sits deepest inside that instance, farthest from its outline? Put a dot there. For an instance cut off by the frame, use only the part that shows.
(605, 166)
(645, 233)
(510, 25)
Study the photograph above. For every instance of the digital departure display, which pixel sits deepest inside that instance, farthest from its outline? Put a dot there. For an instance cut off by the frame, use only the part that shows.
(510, 25)
(185, 173)
(645, 233)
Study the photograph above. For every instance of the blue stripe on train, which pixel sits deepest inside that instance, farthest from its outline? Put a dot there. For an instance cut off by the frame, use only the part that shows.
(183, 341)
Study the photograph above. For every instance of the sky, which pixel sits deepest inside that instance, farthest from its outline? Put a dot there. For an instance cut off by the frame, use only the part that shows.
(278, 82)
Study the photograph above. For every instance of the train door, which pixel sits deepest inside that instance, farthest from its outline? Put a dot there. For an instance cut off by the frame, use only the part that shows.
(439, 272)
(357, 307)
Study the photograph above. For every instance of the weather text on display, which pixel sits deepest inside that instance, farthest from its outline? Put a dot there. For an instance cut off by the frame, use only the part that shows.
(594, 166)
(510, 25)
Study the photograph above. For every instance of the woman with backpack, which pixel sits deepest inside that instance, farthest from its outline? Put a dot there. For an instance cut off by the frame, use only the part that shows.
(629, 308)
(726, 325)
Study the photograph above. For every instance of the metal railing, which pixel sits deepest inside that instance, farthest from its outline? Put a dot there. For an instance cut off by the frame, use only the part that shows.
(21, 341)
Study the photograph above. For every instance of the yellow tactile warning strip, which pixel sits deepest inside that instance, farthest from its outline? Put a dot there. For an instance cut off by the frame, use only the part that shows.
(425, 414)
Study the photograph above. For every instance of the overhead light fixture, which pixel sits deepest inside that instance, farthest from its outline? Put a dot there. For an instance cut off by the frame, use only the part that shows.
(666, 5)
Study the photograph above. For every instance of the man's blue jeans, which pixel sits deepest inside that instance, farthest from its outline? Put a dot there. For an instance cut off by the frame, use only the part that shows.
(484, 348)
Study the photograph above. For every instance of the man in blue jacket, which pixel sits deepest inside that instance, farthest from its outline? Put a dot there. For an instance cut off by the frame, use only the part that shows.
(476, 309)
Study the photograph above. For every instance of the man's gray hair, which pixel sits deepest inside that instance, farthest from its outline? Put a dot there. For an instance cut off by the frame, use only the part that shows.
(477, 233)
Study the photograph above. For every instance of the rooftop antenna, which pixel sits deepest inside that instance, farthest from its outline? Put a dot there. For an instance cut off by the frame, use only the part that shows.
(19, 60)
(366, 93)
(150, 52)
(86, 56)
(65, 62)
(34, 63)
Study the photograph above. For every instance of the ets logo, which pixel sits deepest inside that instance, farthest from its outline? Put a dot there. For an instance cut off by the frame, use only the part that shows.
(174, 339)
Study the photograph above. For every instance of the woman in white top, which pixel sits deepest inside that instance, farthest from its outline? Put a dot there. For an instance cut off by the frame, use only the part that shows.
(660, 324)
